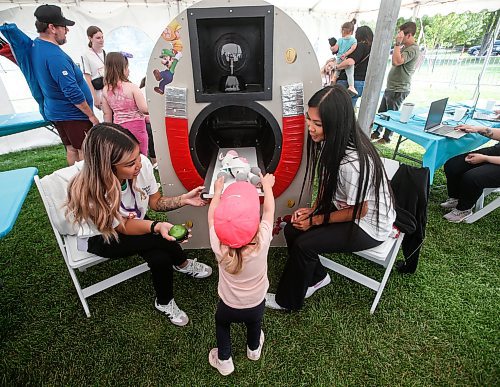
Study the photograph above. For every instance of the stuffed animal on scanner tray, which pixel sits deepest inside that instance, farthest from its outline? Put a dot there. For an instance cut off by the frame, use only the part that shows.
(232, 165)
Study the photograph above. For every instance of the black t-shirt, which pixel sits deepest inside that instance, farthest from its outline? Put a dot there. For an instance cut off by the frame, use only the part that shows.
(360, 53)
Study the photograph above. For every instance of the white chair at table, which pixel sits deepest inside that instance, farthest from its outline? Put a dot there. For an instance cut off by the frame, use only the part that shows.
(52, 189)
(384, 254)
(480, 210)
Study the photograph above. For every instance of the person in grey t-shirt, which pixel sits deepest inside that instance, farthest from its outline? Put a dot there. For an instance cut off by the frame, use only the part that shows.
(404, 62)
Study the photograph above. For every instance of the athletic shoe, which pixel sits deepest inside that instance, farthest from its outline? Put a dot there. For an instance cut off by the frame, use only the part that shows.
(255, 354)
(172, 311)
(225, 367)
(312, 289)
(271, 302)
(195, 269)
(456, 216)
(450, 203)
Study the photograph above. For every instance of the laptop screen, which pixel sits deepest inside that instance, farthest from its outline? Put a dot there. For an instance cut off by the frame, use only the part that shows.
(436, 113)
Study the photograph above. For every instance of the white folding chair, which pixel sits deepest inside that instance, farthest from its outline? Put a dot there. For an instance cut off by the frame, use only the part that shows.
(384, 254)
(479, 210)
(78, 260)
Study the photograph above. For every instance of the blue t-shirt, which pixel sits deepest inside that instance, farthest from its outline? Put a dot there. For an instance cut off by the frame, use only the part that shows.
(345, 44)
(61, 81)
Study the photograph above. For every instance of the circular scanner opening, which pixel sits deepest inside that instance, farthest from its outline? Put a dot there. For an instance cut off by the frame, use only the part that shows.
(235, 126)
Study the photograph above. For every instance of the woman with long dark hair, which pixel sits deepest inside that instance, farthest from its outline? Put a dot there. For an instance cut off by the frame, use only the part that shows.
(354, 208)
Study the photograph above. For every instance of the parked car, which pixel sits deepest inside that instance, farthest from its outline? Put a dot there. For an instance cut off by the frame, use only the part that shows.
(474, 50)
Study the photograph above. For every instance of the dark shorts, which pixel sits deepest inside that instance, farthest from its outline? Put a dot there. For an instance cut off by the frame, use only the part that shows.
(73, 132)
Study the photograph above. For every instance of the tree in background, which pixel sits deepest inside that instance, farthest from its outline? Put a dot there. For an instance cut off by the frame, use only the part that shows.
(465, 29)
(459, 29)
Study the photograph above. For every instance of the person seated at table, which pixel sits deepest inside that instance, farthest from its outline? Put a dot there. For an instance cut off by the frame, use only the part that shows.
(354, 208)
(468, 174)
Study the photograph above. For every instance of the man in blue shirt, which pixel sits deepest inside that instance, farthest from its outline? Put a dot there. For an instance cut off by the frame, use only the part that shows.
(67, 98)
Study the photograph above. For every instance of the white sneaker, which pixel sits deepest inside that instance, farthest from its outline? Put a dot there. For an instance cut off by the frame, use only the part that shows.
(172, 311)
(449, 203)
(312, 289)
(456, 216)
(195, 269)
(255, 354)
(271, 302)
(225, 367)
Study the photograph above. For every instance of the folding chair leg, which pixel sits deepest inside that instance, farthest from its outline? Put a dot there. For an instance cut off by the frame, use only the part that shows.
(483, 211)
(79, 291)
(382, 284)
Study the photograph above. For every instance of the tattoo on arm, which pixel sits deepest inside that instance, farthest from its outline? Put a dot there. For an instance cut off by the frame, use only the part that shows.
(487, 132)
(166, 204)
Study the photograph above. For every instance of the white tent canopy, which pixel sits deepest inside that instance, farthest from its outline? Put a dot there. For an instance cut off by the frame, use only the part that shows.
(135, 25)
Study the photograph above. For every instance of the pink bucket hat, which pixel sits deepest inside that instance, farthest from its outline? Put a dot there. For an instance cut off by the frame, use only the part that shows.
(237, 217)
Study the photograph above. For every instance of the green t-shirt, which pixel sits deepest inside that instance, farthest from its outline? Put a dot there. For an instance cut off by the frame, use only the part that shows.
(399, 78)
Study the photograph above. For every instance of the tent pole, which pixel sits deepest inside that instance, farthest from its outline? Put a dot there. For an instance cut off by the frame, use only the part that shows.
(486, 60)
(383, 38)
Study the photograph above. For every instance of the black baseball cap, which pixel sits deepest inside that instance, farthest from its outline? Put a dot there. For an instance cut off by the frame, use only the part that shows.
(52, 14)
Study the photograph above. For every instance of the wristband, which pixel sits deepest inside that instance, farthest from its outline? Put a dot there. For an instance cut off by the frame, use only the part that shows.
(152, 229)
(310, 220)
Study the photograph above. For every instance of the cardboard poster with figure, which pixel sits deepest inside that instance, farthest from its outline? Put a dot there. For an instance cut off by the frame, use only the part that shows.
(229, 98)
(169, 56)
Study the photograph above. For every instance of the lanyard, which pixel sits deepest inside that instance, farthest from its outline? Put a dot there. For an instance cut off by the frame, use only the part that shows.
(135, 210)
(104, 54)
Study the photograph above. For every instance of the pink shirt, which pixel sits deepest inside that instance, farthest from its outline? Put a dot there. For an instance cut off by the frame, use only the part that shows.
(122, 102)
(247, 288)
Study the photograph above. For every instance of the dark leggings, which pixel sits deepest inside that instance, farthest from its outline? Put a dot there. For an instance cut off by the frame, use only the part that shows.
(159, 253)
(225, 315)
(303, 267)
(466, 181)
(392, 100)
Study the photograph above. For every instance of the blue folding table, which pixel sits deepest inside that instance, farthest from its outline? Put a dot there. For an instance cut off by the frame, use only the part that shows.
(14, 186)
(20, 122)
(438, 149)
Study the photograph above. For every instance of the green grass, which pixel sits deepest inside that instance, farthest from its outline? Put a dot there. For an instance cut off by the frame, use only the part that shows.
(437, 327)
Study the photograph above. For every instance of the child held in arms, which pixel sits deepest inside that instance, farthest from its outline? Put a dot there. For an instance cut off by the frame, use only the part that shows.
(347, 44)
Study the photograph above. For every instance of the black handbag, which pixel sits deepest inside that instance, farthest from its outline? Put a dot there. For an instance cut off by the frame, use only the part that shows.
(98, 83)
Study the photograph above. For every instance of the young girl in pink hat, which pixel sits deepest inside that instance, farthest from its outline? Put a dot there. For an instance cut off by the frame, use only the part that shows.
(240, 240)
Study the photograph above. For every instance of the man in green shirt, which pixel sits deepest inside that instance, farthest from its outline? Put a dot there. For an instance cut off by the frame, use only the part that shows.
(404, 62)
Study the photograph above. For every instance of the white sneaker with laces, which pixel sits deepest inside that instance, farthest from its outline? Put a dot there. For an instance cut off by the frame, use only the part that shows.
(449, 203)
(195, 269)
(456, 216)
(312, 289)
(271, 302)
(172, 311)
(255, 354)
(225, 367)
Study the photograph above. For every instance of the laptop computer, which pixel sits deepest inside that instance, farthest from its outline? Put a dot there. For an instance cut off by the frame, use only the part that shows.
(434, 125)
(487, 116)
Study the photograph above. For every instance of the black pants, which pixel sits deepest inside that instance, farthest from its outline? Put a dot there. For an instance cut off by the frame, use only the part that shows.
(392, 100)
(303, 267)
(466, 181)
(159, 253)
(151, 143)
(225, 315)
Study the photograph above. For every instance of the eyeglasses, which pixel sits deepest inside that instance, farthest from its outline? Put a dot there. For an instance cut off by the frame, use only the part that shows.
(57, 26)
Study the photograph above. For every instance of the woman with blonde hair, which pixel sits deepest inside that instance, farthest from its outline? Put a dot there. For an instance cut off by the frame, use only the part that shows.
(123, 102)
(240, 241)
(108, 200)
